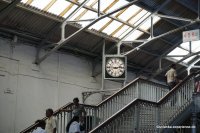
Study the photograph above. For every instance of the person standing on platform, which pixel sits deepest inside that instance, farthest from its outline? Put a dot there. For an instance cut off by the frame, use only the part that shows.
(40, 127)
(50, 122)
(171, 76)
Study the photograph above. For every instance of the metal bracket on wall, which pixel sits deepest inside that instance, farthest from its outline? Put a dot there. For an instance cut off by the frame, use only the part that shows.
(86, 94)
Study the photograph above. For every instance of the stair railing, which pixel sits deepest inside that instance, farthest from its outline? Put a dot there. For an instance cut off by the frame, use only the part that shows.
(138, 88)
(146, 116)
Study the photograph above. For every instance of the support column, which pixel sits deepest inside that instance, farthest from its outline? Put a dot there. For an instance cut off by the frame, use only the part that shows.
(103, 66)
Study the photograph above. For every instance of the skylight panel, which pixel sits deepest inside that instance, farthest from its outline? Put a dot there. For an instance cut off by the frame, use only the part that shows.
(196, 46)
(87, 15)
(77, 14)
(124, 33)
(138, 16)
(23, 1)
(103, 5)
(111, 27)
(142, 18)
(147, 24)
(129, 12)
(134, 35)
(100, 23)
(70, 11)
(121, 31)
(40, 4)
(178, 51)
(58, 6)
(117, 5)
(189, 59)
(185, 45)
(90, 2)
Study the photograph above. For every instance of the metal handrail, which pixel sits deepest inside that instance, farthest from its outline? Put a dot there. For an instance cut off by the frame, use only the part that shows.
(99, 111)
(153, 105)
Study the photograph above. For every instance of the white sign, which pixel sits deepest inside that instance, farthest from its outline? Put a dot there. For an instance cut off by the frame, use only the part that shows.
(192, 35)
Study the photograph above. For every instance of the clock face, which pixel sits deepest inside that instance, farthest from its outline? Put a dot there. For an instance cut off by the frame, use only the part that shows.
(115, 67)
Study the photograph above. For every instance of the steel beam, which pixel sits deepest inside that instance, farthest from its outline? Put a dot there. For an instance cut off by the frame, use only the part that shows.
(130, 32)
(68, 17)
(111, 17)
(158, 58)
(54, 27)
(165, 68)
(175, 18)
(62, 42)
(159, 36)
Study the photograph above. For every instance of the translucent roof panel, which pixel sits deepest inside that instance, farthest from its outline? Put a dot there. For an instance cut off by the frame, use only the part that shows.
(100, 24)
(117, 27)
(111, 27)
(77, 14)
(134, 35)
(126, 32)
(195, 47)
(147, 24)
(121, 30)
(119, 3)
(185, 45)
(138, 17)
(70, 11)
(129, 12)
(90, 2)
(24, 1)
(189, 59)
(178, 51)
(58, 6)
(40, 4)
(88, 15)
(103, 5)
(142, 18)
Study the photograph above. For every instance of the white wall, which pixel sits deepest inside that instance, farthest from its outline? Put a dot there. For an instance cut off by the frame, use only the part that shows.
(26, 90)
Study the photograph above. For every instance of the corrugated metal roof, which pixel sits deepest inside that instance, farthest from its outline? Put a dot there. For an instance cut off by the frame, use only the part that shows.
(27, 19)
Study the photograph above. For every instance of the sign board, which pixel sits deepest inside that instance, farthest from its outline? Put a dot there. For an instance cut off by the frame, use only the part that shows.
(192, 35)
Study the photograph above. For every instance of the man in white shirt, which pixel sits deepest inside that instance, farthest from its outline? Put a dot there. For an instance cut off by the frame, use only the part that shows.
(40, 127)
(50, 122)
(74, 126)
(171, 76)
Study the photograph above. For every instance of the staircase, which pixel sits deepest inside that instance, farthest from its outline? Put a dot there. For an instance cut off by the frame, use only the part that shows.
(139, 88)
(142, 116)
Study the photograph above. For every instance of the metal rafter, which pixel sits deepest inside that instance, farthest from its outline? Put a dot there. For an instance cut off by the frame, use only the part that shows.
(115, 31)
(63, 41)
(165, 68)
(109, 22)
(162, 35)
(134, 29)
(175, 18)
(111, 17)
(54, 27)
(67, 9)
(85, 11)
(69, 17)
